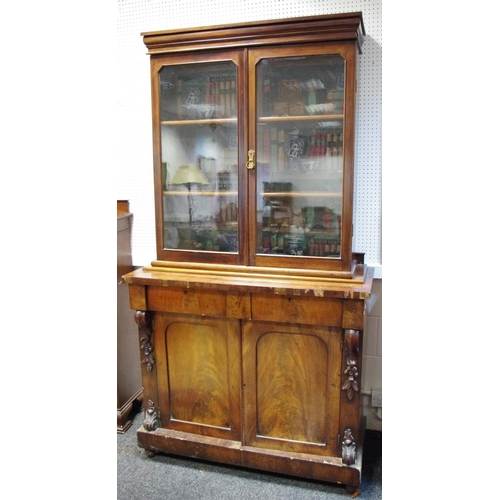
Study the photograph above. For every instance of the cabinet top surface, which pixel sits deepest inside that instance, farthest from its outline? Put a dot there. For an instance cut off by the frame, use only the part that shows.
(263, 280)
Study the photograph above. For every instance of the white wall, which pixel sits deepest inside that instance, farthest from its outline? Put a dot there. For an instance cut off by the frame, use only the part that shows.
(135, 162)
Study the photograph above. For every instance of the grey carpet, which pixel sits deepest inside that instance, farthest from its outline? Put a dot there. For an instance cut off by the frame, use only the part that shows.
(178, 478)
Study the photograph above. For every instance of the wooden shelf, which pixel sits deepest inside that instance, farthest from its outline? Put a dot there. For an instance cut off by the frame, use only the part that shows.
(209, 121)
(201, 193)
(262, 119)
(288, 194)
(304, 194)
(305, 118)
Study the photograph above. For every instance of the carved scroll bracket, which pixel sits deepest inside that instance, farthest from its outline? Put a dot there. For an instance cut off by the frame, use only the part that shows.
(143, 320)
(348, 448)
(151, 418)
(351, 339)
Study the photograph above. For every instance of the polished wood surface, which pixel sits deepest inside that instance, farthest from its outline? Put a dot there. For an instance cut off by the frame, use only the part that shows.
(252, 359)
(267, 367)
(311, 466)
(291, 403)
(199, 385)
(322, 29)
(248, 279)
(199, 374)
(292, 377)
(297, 310)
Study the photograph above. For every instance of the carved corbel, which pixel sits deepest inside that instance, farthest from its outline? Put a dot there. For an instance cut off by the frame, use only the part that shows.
(143, 320)
(352, 344)
(151, 419)
(348, 448)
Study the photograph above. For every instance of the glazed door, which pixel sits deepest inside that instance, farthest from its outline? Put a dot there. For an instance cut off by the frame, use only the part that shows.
(291, 380)
(198, 117)
(301, 130)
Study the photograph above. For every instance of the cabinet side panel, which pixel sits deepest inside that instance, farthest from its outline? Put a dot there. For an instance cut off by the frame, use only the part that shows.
(137, 297)
(353, 314)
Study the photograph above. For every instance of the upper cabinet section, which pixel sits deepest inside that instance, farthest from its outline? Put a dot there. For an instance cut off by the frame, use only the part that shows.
(253, 128)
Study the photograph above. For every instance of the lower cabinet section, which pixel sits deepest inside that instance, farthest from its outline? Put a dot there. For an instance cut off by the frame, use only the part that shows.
(227, 385)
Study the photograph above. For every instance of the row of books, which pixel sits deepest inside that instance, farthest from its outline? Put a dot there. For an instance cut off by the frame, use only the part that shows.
(294, 97)
(199, 98)
(275, 150)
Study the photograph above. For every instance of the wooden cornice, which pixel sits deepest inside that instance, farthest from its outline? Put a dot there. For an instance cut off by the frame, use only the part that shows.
(324, 28)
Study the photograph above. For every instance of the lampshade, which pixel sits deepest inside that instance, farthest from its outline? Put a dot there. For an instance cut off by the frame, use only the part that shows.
(189, 174)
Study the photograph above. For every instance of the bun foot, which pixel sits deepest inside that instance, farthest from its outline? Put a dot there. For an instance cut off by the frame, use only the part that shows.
(353, 491)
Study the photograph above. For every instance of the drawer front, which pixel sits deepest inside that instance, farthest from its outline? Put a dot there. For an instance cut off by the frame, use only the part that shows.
(297, 310)
(186, 301)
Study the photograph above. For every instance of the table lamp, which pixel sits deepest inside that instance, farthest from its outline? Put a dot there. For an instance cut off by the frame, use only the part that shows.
(188, 175)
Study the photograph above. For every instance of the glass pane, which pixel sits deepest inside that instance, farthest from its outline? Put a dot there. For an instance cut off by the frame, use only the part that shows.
(300, 125)
(198, 114)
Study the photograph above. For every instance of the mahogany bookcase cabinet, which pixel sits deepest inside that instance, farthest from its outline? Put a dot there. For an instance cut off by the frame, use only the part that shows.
(251, 318)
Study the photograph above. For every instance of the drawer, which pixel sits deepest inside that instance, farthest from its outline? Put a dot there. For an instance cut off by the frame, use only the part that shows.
(186, 301)
(297, 310)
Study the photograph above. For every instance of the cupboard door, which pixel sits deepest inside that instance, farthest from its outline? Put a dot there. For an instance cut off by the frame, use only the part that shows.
(199, 374)
(291, 380)
(303, 138)
(198, 119)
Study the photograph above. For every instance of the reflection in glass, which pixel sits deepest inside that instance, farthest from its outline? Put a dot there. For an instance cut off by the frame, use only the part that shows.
(189, 176)
(198, 115)
(300, 118)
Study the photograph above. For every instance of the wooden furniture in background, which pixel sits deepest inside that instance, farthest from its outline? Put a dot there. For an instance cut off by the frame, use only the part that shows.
(251, 320)
(129, 384)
